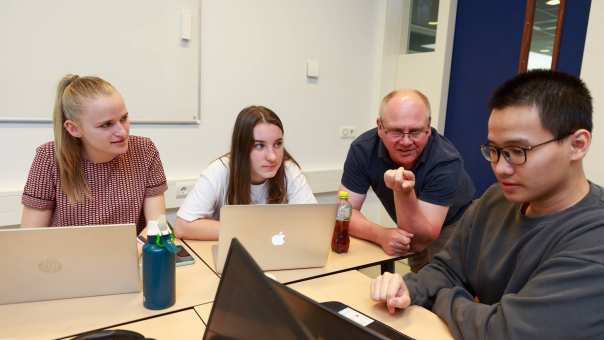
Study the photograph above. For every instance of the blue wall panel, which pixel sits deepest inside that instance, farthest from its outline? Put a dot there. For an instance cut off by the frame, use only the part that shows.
(485, 53)
(486, 49)
(572, 38)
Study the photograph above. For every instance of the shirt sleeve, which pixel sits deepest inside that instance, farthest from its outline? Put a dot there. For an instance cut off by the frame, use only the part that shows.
(355, 176)
(442, 183)
(40, 188)
(156, 178)
(206, 198)
(446, 269)
(298, 190)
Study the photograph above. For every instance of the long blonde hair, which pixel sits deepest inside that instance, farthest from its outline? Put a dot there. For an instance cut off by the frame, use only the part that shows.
(73, 92)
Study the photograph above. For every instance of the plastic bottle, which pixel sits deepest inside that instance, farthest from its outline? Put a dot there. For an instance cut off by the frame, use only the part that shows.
(159, 280)
(340, 240)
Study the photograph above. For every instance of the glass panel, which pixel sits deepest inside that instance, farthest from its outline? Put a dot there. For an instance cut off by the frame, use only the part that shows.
(544, 33)
(422, 26)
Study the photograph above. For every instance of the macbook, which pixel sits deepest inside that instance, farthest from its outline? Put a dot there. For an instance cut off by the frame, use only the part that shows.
(66, 262)
(279, 236)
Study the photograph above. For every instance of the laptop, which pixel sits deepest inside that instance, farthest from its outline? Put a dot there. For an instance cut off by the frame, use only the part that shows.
(249, 305)
(279, 236)
(66, 262)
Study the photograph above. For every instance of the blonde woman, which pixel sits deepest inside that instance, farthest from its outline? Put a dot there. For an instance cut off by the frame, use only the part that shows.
(94, 172)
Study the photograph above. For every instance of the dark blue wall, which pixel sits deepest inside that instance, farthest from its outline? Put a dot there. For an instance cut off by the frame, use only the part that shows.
(572, 37)
(486, 49)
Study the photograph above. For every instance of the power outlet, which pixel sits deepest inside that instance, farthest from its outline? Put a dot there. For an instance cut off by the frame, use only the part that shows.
(183, 190)
(347, 132)
(178, 189)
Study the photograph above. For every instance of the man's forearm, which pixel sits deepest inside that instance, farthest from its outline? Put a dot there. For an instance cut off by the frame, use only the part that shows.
(410, 218)
(361, 227)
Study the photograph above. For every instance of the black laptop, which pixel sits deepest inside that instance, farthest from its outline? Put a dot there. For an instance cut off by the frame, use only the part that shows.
(249, 305)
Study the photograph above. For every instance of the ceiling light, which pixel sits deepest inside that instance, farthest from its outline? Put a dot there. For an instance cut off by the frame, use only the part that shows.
(545, 50)
(429, 46)
(432, 23)
(552, 2)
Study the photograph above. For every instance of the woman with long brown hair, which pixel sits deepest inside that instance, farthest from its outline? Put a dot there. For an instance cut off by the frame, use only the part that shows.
(94, 172)
(257, 170)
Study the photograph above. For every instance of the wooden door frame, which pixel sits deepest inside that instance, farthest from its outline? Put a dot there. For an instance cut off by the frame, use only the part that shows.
(527, 33)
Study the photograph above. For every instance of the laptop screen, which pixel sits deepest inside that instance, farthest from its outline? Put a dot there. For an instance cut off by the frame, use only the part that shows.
(246, 307)
(249, 305)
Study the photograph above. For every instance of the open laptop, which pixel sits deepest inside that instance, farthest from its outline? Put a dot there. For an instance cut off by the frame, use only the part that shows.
(249, 305)
(279, 236)
(66, 262)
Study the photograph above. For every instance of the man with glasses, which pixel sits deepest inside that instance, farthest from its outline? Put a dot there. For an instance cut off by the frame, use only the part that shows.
(417, 174)
(527, 259)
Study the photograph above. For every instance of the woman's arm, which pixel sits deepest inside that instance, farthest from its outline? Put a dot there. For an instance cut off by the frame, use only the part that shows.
(154, 207)
(32, 217)
(197, 217)
(202, 229)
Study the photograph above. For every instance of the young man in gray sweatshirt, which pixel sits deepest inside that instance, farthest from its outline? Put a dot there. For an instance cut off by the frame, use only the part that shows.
(527, 259)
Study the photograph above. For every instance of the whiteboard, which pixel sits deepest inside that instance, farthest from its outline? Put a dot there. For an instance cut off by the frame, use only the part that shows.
(137, 45)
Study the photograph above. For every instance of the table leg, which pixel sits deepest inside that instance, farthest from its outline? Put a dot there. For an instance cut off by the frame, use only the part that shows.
(387, 267)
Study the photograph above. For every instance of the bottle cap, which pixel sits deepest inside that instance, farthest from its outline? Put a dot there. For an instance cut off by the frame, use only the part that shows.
(152, 228)
(343, 194)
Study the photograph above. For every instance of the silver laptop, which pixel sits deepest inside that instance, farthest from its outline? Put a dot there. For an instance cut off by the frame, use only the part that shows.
(278, 236)
(66, 262)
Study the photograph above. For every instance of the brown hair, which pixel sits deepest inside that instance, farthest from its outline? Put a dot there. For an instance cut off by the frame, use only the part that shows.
(73, 92)
(242, 142)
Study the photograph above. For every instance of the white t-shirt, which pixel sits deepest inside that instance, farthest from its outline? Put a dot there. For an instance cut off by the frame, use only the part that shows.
(210, 191)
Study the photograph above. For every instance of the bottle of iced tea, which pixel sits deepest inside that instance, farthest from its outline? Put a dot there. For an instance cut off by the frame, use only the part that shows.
(340, 239)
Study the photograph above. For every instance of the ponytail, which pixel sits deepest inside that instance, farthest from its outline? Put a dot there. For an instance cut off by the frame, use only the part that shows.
(72, 91)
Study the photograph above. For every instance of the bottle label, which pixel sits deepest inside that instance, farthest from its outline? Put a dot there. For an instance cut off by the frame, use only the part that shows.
(344, 212)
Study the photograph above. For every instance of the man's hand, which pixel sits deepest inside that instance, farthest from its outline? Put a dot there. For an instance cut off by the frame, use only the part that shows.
(395, 241)
(392, 289)
(400, 180)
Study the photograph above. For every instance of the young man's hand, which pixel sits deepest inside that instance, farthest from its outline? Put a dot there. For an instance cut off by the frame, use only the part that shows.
(391, 289)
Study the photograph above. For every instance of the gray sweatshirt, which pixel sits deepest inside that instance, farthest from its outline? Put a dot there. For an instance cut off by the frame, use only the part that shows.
(507, 276)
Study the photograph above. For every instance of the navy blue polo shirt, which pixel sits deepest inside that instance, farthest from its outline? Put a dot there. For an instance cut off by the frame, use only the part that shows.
(440, 177)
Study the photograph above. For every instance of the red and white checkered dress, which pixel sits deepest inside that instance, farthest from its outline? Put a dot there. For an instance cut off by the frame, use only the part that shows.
(118, 188)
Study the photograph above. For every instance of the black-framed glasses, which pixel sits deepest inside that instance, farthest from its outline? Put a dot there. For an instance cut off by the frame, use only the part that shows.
(398, 134)
(515, 155)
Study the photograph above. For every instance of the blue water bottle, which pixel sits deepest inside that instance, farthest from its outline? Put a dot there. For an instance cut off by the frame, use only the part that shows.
(159, 286)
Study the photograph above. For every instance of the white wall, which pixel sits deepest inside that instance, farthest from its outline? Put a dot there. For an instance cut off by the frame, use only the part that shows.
(254, 52)
(429, 72)
(591, 73)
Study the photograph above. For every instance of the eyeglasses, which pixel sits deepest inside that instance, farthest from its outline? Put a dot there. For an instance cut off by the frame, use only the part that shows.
(515, 155)
(398, 134)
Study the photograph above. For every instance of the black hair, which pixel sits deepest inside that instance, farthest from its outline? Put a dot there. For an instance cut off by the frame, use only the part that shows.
(562, 100)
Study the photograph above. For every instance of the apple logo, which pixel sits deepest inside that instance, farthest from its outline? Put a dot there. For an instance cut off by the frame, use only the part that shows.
(50, 265)
(278, 239)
